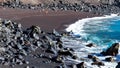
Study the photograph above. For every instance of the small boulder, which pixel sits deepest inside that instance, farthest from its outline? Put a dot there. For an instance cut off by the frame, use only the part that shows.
(74, 57)
(90, 56)
(81, 65)
(65, 52)
(98, 63)
(109, 59)
(90, 45)
(59, 59)
(95, 59)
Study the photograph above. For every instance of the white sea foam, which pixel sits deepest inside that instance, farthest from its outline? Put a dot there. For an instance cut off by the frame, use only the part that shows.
(80, 50)
(77, 27)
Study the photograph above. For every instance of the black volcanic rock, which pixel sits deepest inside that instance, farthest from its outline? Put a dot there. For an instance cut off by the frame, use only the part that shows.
(113, 50)
(109, 59)
(81, 65)
(118, 66)
(98, 63)
(90, 45)
(18, 44)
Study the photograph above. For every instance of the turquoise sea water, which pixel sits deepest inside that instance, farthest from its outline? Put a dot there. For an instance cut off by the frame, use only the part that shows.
(104, 31)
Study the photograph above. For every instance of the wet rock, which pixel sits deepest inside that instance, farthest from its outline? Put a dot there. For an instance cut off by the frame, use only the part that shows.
(90, 45)
(90, 56)
(81, 65)
(118, 66)
(113, 50)
(98, 63)
(59, 59)
(65, 52)
(74, 57)
(109, 59)
(95, 59)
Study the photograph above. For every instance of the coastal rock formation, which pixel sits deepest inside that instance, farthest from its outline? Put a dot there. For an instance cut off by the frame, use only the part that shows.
(113, 50)
(17, 43)
(118, 66)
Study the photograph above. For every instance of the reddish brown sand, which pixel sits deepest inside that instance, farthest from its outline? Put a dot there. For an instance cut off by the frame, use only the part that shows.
(47, 20)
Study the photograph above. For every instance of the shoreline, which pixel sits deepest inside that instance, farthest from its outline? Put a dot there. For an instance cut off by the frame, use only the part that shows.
(47, 20)
(50, 49)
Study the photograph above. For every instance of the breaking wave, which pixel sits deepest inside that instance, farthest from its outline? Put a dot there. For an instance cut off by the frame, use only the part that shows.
(103, 30)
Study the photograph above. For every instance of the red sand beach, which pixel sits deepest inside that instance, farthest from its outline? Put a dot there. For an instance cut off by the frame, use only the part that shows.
(46, 19)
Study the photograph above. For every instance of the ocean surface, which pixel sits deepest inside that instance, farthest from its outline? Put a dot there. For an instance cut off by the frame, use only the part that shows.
(102, 31)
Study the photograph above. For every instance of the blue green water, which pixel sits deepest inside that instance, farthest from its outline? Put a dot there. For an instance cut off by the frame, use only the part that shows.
(105, 32)
(98, 30)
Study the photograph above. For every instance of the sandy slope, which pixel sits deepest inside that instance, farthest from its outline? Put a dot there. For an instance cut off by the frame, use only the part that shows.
(46, 19)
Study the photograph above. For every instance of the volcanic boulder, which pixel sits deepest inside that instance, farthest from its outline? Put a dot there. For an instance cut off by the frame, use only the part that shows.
(81, 65)
(109, 59)
(113, 50)
(118, 66)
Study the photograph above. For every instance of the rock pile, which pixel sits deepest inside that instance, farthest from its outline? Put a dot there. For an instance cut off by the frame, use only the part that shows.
(16, 43)
(104, 7)
(96, 61)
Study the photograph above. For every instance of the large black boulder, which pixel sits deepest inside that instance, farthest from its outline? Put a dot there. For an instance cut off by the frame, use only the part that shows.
(113, 50)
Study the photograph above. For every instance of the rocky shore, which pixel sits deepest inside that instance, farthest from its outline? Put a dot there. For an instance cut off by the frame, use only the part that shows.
(17, 44)
(97, 7)
(22, 47)
(32, 47)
